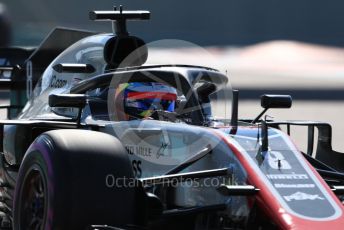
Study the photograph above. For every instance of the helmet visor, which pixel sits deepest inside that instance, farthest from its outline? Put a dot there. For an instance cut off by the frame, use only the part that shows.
(142, 99)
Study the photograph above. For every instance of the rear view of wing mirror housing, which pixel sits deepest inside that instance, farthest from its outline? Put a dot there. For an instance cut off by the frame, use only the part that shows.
(269, 101)
(70, 101)
(67, 100)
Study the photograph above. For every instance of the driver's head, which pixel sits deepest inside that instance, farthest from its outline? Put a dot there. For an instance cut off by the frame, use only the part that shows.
(139, 100)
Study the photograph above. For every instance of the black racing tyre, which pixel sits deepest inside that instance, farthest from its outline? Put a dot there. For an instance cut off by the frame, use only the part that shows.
(62, 183)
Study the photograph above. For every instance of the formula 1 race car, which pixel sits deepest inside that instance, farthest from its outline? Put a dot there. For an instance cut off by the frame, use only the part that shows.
(97, 139)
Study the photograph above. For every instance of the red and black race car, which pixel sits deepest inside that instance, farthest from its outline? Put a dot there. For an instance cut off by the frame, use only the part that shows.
(98, 139)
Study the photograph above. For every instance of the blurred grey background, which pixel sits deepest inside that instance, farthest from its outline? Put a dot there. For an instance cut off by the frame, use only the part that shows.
(268, 46)
(220, 22)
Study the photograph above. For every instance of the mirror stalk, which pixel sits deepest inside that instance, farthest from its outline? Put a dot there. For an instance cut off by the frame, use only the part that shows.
(265, 138)
(235, 106)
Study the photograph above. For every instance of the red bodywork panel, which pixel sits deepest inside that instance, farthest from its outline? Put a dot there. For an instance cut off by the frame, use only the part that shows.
(273, 207)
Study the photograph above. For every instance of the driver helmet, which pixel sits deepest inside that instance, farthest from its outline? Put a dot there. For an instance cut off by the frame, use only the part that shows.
(139, 100)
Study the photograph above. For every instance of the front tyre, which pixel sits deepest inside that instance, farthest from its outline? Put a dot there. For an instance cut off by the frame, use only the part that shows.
(62, 184)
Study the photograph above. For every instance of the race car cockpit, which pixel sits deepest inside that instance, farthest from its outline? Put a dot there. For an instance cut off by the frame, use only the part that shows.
(94, 64)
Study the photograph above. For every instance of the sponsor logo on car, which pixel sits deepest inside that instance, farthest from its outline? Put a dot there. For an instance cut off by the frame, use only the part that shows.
(302, 196)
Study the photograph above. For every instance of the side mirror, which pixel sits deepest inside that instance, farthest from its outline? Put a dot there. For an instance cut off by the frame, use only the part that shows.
(275, 101)
(67, 100)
